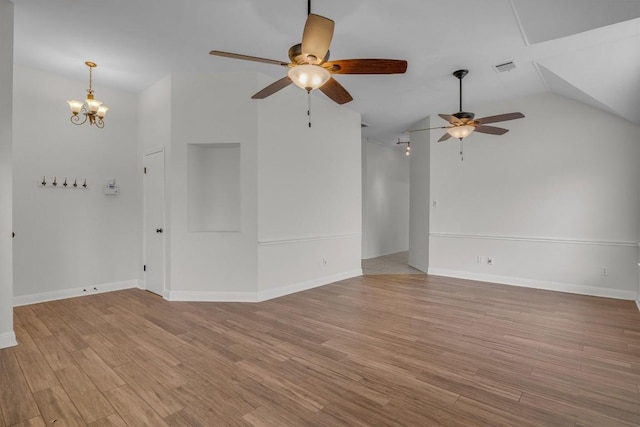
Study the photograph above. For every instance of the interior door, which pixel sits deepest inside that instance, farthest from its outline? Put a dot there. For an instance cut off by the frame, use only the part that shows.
(154, 232)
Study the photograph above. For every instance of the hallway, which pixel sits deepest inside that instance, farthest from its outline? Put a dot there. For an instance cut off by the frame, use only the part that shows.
(397, 263)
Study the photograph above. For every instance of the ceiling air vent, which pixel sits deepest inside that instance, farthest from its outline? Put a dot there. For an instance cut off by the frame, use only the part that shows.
(507, 66)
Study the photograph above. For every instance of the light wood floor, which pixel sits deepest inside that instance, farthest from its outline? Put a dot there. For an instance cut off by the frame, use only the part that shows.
(410, 350)
(397, 263)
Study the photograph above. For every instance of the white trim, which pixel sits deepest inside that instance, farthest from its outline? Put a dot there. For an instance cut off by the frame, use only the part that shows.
(154, 150)
(638, 304)
(306, 285)
(307, 239)
(534, 239)
(210, 296)
(517, 17)
(537, 284)
(74, 292)
(8, 339)
(207, 296)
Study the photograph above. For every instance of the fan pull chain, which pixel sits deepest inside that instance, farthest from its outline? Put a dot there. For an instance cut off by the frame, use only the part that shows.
(461, 150)
(309, 106)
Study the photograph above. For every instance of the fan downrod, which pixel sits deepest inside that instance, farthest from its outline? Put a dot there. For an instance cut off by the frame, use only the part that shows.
(459, 74)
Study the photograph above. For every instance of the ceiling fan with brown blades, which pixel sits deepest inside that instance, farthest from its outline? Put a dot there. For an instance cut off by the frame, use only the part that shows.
(462, 123)
(310, 67)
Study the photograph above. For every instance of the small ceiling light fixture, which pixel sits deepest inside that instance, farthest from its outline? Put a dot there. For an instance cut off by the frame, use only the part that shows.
(407, 151)
(93, 110)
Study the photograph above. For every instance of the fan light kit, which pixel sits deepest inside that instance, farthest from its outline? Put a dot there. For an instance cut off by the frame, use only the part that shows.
(309, 76)
(310, 67)
(93, 110)
(462, 123)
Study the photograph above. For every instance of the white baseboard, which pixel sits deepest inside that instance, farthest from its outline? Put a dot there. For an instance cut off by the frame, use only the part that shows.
(74, 292)
(537, 284)
(210, 296)
(638, 304)
(206, 296)
(8, 339)
(306, 285)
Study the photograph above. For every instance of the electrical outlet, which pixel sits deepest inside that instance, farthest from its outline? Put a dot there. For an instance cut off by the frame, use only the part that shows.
(489, 260)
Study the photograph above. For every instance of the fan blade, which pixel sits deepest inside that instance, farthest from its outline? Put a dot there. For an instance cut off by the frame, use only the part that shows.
(247, 58)
(493, 130)
(444, 137)
(451, 119)
(273, 88)
(366, 66)
(316, 38)
(336, 91)
(499, 118)
(420, 130)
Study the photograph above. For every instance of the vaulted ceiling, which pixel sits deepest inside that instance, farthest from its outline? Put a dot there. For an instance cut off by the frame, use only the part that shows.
(588, 50)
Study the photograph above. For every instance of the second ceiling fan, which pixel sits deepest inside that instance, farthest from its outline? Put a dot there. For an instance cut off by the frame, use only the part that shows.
(462, 123)
(310, 67)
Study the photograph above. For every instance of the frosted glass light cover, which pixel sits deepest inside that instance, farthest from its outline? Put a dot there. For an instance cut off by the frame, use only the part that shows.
(461, 131)
(75, 106)
(102, 111)
(93, 104)
(308, 76)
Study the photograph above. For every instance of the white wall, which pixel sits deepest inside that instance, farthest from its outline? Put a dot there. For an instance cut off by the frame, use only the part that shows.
(419, 197)
(213, 109)
(68, 239)
(213, 187)
(552, 202)
(309, 192)
(7, 337)
(300, 195)
(385, 200)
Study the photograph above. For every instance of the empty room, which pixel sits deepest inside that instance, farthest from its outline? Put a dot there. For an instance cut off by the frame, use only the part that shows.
(320, 213)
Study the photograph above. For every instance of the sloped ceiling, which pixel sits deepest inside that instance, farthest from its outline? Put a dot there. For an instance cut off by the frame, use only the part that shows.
(585, 49)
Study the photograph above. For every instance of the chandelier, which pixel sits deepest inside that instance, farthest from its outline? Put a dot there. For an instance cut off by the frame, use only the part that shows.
(92, 109)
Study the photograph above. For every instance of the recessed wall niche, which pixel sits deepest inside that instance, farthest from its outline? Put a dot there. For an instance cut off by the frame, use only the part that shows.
(213, 187)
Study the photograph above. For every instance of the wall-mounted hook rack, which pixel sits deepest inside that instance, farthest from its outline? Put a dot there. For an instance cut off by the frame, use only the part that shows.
(65, 183)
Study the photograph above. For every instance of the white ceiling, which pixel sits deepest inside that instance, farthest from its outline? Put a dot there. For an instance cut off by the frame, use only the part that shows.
(588, 50)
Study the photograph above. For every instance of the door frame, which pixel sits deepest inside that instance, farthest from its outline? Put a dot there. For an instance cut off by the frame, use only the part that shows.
(165, 287)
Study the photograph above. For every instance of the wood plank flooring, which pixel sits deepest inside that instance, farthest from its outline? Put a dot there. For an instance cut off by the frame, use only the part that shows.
(385, 350)
(397, 263)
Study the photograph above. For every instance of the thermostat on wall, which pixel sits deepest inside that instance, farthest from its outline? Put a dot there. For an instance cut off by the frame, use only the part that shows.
(111, 187)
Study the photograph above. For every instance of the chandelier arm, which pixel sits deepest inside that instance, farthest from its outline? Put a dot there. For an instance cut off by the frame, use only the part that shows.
(99, 123)
(75, 119)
